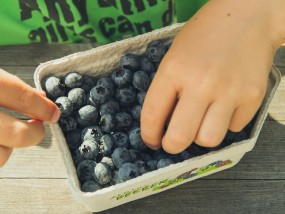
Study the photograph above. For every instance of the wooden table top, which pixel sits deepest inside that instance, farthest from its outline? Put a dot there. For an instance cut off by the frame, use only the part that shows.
(34, 179)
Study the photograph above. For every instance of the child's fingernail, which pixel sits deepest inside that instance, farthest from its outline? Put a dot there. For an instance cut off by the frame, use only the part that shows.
(35, 121)
(56, 116)
(153, 148)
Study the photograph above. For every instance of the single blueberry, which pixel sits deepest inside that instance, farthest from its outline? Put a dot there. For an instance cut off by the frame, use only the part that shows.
(85, 170)
(67, 124)
(121, 139)
(130, 61)
(164, 163)
(107, 123)
(123, 121)
(155, 51)
(122, 77)
(185, 155)
(115, 179)
(141, 81)
(136, 112)
(87, 115)
(92, 133)
(102, 173)
(89, 149)
(126, 96)
(141, 96)
(120, 156)
(109, 107)
(73, 80)
(146, 65)
(145, 156)
(152, 165)
(106, 144)
(73, 139)
(141, 166)
(160, 154)
(127, 171)
(90, 186)
(77, 157)
(89, 101)
(87, 84)
(108, 83)
(107, 160)
(99, 94)
(54, 87)
(77, 97)
(134, 154)
(136, 140)
(65, 106)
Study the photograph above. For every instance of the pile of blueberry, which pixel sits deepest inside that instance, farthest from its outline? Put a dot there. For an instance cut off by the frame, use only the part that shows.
(101, 121)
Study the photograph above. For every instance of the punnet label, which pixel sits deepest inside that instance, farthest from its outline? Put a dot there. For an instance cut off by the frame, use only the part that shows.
(171, 181)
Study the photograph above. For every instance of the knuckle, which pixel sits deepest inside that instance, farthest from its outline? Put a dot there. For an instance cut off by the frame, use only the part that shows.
(256, 92)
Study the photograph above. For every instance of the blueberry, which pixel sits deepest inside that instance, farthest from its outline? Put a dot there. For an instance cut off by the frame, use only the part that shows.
(115, 179)
(197, 150)
(123, 121)
(67, 124)
(73, 139)
(185, 155)
(146, 65)
(130, 61)
(91, 133)
(141, 167)
(134, 154)
(136, 112)
(107, 123)
(77, 157)
(85, 170)
(160, 154)
(120, 156)
(152, 164)
(108, 83)
(73, 80)
(65, 106)
(87, 84)
(87, 115)
(164, 163)
(89, 149)
(77, 97)
(109, 107)
(151, 76)
(155, 51)
(234, 137)
(126, 96)
(122, 77)
(136, 140)
(99, 94)
(89, 101)
(121, 139)
(145, 156)
(107, 160)
(140, 97)
(106, 144)
(90, 186)
(54, 87)
(127, 171)
(141, 81)
(102, 173)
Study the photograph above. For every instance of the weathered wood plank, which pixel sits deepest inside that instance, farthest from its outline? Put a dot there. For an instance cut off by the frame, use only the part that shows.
(266, 161)
(200, 196)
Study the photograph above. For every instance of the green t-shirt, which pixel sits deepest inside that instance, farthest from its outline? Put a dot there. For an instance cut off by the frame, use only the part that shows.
(101, 21)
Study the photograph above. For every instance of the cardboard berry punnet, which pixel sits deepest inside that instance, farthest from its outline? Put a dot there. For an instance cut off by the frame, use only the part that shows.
(102, 60)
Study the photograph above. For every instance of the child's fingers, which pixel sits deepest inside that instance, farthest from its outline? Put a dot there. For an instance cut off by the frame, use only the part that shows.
(18, 133)
(5, 153)
(215, 124)
(184, 123)
(157, 106)
(20, 97)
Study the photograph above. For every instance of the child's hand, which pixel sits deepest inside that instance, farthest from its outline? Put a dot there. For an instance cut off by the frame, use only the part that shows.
(18, 96)
(213, 78)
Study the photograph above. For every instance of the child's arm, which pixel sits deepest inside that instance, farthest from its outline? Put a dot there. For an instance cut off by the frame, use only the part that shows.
(214, 76)
(18, 96)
